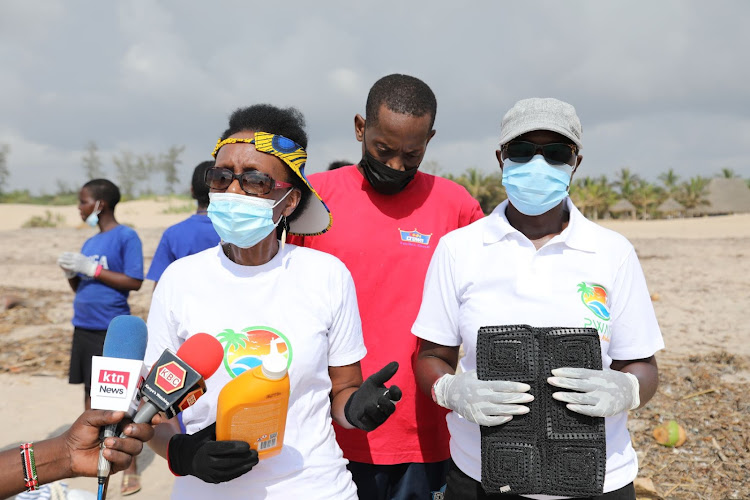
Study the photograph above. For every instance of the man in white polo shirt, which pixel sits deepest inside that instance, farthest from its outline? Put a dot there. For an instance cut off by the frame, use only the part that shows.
(537, 260)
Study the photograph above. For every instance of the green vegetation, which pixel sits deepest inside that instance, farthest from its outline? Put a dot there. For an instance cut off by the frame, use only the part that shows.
(133, 171)
(183, 208)
(47, 221)
(25, 197)
(4, 173)
(488, 190)
(92, 163)
(594, 196)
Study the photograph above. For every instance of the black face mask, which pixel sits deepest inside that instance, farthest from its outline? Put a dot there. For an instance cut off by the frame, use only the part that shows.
(383, 178)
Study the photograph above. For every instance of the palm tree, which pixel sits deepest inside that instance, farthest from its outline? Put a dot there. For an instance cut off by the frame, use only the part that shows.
(646, 197)
(473, 181)
(232, 339)
(693, 193)
(727, 173)
(669, 179)
(486, 189)
(584, 289)
(592, 196)
(626, 181)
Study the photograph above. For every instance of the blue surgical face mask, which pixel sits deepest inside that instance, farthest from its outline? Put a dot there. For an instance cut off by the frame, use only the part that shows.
(242, 220)
(536, 187)
(93, 218)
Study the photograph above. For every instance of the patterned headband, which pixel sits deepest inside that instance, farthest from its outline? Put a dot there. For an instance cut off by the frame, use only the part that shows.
(287, 150)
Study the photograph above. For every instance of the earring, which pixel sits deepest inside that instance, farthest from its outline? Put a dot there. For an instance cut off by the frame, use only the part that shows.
(283, 235)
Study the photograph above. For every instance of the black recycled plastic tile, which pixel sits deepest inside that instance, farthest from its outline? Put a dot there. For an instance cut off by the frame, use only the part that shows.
(550, 450)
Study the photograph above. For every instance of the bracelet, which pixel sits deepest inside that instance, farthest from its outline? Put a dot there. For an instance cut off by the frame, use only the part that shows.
(98, 271)
(29, 467)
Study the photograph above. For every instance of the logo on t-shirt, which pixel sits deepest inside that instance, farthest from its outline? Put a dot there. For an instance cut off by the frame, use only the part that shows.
(244, 350)
(99, 260)
(414, 238)
(594, 297)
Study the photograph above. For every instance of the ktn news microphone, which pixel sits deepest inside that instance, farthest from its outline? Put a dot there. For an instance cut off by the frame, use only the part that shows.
(176, 381)
(116, 376)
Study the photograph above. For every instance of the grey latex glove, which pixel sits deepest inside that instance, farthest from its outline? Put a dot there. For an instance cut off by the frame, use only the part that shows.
(601, 393)
(484, 402)
(74, 262)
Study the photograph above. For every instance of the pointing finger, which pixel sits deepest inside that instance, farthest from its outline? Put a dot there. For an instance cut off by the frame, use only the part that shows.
(385, 373)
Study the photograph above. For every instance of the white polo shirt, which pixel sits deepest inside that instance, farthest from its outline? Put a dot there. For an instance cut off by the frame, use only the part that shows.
(489, 273)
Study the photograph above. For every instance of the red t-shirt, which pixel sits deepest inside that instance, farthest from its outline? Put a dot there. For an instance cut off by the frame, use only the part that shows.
(387, 241)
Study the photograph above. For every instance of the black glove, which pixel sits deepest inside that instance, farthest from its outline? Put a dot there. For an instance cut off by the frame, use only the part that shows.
(372, 404)
(212, 461)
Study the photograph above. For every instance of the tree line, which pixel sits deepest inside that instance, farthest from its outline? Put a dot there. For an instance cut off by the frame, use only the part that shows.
(595, 196)
(133, 173)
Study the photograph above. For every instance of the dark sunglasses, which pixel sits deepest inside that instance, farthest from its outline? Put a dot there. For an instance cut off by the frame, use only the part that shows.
(556, 153)
(251, 182)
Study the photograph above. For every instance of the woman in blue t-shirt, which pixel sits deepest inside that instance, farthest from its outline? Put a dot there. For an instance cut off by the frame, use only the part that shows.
(102, 274)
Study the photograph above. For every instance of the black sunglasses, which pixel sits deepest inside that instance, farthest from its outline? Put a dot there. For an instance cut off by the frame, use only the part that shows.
(556, 153)
(251, 182)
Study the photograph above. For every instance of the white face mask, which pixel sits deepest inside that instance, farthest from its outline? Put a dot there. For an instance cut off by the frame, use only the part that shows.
(242, 220)
(536, 187)
(93, 219)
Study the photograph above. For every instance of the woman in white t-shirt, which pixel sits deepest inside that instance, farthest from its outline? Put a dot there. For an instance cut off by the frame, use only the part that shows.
(536, 260)
(252, 291)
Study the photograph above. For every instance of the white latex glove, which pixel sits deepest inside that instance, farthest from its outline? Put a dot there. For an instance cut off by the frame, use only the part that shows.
(484, 402)
(77, 263)
(602, 393)
(68, 274)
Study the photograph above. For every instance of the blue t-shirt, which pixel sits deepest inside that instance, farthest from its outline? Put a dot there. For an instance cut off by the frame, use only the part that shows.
(190, 236)
(96, 304)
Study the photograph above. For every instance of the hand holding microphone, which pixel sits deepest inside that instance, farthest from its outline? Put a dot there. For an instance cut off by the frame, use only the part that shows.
(116, 375)
(83, 444)
(372, 404)
(176, 381)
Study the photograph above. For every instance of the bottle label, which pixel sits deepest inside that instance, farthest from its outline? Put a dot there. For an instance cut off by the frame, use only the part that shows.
(268, 443)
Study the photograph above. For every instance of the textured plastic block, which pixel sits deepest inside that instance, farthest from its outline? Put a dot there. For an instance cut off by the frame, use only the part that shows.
(550, 450)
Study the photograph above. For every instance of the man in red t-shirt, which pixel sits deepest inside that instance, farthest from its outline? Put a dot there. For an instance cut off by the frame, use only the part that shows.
(387, 220)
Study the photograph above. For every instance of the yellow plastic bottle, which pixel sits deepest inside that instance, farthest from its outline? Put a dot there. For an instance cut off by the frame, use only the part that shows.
(253, 406)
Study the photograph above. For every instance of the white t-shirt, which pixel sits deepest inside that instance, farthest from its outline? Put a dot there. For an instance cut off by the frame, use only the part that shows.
(303, 296)
(488, 273)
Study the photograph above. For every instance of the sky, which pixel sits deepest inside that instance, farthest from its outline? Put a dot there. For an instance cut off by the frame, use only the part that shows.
(657, 85)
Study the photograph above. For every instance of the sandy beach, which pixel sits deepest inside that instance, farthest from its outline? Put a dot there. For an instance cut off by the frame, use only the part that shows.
(698, 271)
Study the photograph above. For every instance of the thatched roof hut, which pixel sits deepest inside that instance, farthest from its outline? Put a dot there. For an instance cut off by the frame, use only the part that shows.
(671, 208)
(725, 196)
(623, 206)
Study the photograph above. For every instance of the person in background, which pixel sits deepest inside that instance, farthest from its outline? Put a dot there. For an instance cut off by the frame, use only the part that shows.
(338, 164)
(536, 260)
(190, 236)
(388, 219)
(102, 274)
(73, 453)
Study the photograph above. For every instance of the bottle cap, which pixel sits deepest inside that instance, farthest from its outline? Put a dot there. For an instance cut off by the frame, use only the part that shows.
(274, 365)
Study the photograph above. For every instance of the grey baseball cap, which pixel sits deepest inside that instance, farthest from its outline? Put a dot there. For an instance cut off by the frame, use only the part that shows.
(541, 113)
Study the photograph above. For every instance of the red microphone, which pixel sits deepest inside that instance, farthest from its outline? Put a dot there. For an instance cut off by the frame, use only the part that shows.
(176, 381)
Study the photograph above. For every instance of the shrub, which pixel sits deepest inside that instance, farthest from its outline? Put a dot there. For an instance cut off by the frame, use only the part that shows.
(47, 221)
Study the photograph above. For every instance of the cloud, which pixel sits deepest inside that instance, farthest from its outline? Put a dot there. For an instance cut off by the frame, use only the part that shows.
(38, 167)
(652, 82)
